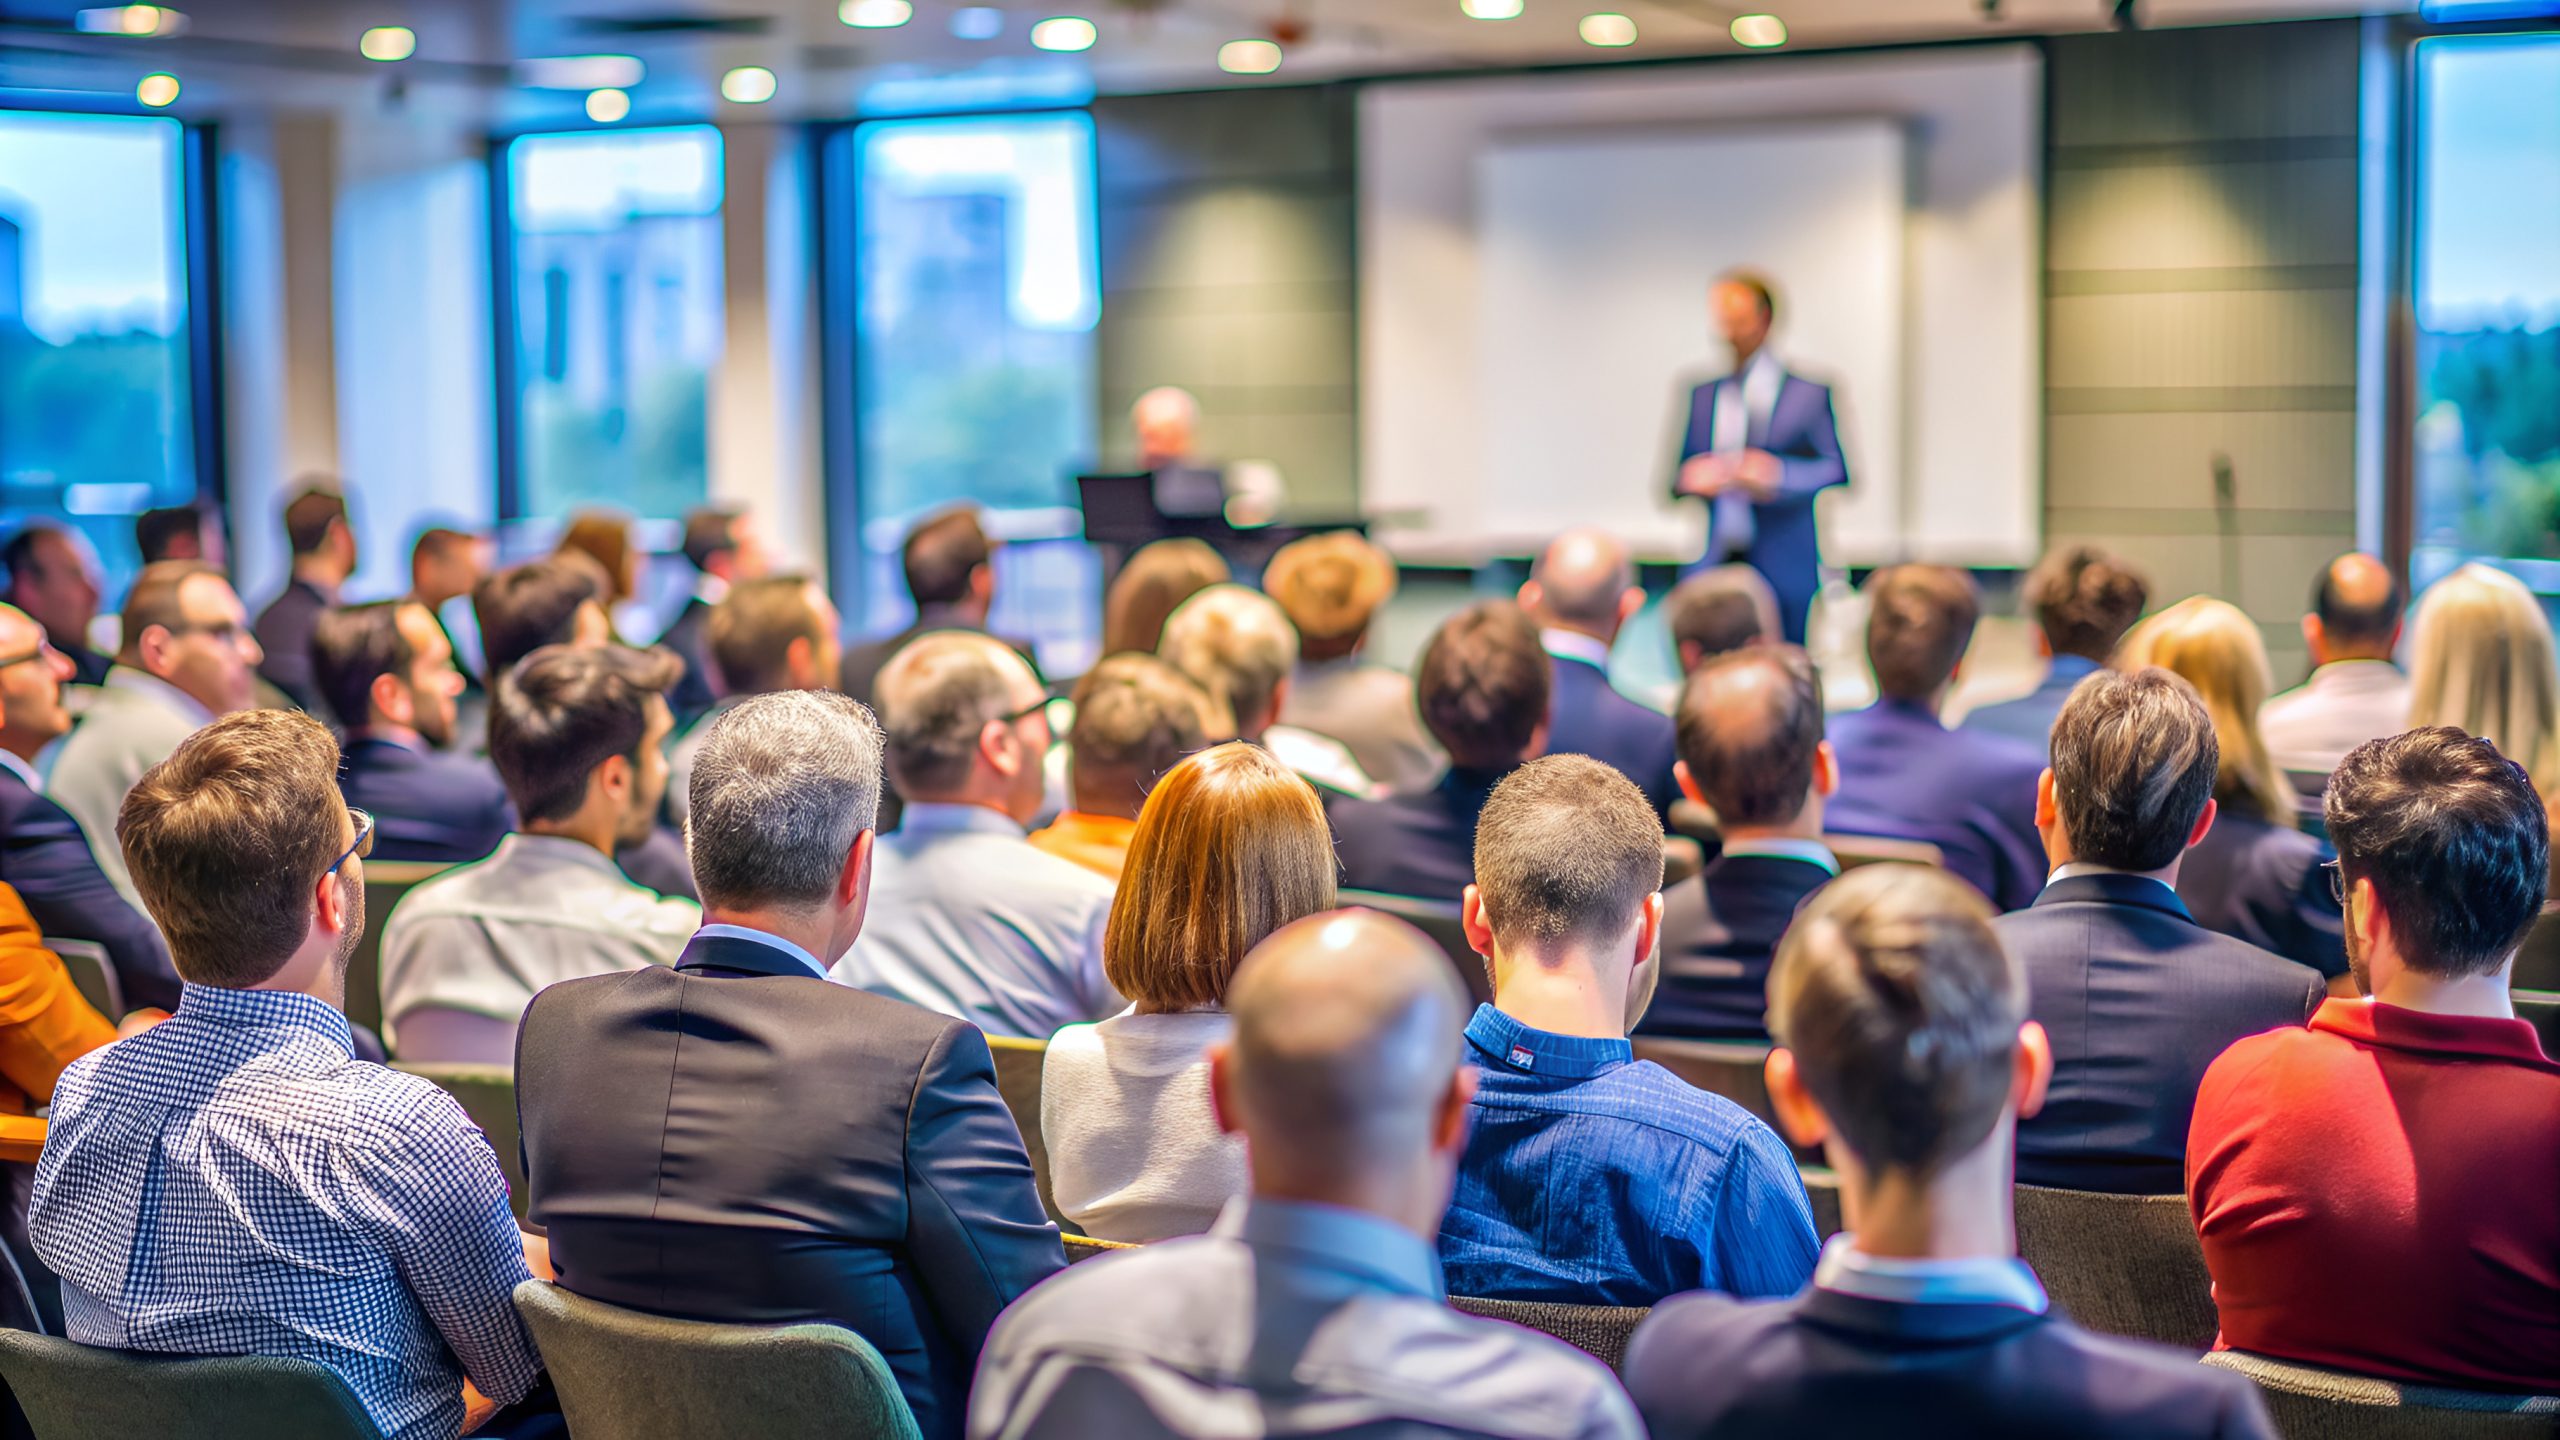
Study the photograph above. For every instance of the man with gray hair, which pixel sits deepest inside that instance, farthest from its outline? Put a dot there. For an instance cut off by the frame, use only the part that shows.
(1581, 592)
(1314, 1306)
(737, 1140)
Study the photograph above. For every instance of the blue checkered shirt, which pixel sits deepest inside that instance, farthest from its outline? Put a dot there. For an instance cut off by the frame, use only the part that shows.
(235, 1182)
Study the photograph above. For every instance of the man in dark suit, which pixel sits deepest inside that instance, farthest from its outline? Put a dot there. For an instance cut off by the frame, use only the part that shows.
(386, 671)
(2084, 600)
(724, 547)
(951, 574)
(1908, 1056)
(54, 580)
(1758, 446)
(1751, 750)
(1581, 591)
(2138, 997)
(1482, 684)
(737, 1139)
(324, 555)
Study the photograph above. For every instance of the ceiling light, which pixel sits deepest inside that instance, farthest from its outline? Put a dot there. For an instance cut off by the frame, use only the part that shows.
(1491, 9)
(747, 85)
(1248, 57)
(129, 20)
(1760, 32)
(583, 72)
(1064, 32)
(977, 22)
(388, 43)
(156, 90)
(606, 106)
(1608, 29)
(876, 14)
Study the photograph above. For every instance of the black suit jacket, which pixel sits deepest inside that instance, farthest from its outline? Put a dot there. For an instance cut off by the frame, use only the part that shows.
(738, 1140)
(1421, 844)
(1587, 716)
(1824, 1363)
(2264, 884)
(88, 667)
(2138, 999)
(690, 637)
(1720, 928)
(284, 633)
(426, 805)
(45, 857)
(859, 672)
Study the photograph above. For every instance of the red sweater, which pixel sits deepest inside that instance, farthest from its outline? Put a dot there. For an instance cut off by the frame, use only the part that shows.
(2380, 1193)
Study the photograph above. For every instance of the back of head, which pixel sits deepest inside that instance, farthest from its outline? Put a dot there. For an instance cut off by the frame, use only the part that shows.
(2084, 600)
(564, 710)
(1902, 1013)
(2358, 600)
(1235, 644)
(1749, 724)
(2212, 646)
(525, 607)
(2455, 840)
(1582, 576)
(753, 627)
(1567, 851)
(937, 695)
(1136, 717)
(1330, 586)
(1721, 610)
(2133, 764)
(1920, 618)
(309, 516)
(227, 838)
(604, 537)
(1152, 585)
(709, 531)
(352, 646)
(154, 600)
(173, 532)
(1482, 685)
(942, 553)
(782, 786)
(1231, 846)
(2480, 660)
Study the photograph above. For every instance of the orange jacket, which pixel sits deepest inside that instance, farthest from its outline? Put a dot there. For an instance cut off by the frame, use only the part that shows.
(44, 1026)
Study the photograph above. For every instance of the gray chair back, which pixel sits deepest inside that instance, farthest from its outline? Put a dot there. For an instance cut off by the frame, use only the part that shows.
(2311, 1403)
(1822, 1188)
(1439, 920)
(385, 881)
(1019, 1066)
(1601, 1331)
(1733, 1069)
(488, 1095)
(2120, 1264)
(84, 1392)
(623, 1375)
(2538, 959)
(92, 974)
(2542, 1009)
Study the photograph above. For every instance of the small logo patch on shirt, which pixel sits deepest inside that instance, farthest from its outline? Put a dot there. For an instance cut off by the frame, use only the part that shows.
(1524, 1058)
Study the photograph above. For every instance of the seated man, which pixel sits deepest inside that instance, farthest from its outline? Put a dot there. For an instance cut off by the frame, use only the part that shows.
(1908, 1056)
(969, 919)
(1136, 717)
(1582, 592)
(1315, 1306)
(1751, 750)
(323, 545)
(1718, 611)
(2137, 997)
(446, 565)
(386, 670)
(53, 579)
(1482, 684)
(2356, 693)
(234, 1182)
(1592, 1178)
(819, 1154)
(726, 549)
(2084, 600)
(2376, 1193)
(1904, 775)
(579, 737)
(767, 635)
(949, 565)
(1236, 644)
(1331, 587)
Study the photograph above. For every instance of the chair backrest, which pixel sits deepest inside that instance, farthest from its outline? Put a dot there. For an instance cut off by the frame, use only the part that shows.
(1737, 1071)
(2120, 1264)
(92, 974)
(1019, 1065)
(385, 881)
(83, 1392)
(1601, 1331)
(2311, 1403)
(2538, 959)
(488, 1096)
(1822, 1190)
(2542, 1007)
(623, 1375)
(1439, 920)
(1855, 850)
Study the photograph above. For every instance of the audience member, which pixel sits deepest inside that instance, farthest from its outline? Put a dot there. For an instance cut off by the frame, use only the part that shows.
(1591, 1178)
(1315, 1303)
(737, 1140)
(386, 671)
(1751, 750)
(1719, 610)
(2136, 996)
(2355, 694)
(1150, 587)
(1136, 717)
(541, 602)
(579, 737)
(767, 634)
(1904, 775)
(1482, 685)
(2083, 599)
(188, 657)
(725, 546)
(1908, 1056)
(950, 568)
(604, 538)
(53, 579)
(2375, 1193)
(234, 1182)
(445, 566)
(179, 532)
(1237, 646)
(1331, 587)
(2255, 875)
(1231, 847)
(1582, 589)
(967, 918)
(2480, 660)
(324, 555)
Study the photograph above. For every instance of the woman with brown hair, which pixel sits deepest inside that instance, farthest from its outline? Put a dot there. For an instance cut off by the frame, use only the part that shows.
(1230, 847)
(1152, 585)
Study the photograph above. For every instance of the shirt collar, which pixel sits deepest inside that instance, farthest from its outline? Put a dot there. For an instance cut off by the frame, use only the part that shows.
(2396, 1027)
(557, 850)
(1574, 645)
(1811, 852)
(2074, 869)
(265, 1010)
(923, 817)
(1977, 1280)
(141, 682)
(1366, 1247)
(10, 762)
(1762, 361)
(1505, 1041)
(2357, 675)
(762, 937)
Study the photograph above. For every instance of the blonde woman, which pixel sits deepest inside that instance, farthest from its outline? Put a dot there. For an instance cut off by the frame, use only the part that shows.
(2255, 876)
(2480, 660)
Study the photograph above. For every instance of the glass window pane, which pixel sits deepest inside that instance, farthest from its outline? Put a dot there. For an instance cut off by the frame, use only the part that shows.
(95, 421)
(617, 265)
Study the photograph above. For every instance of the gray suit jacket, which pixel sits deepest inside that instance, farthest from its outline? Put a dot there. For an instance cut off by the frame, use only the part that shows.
(136, 720)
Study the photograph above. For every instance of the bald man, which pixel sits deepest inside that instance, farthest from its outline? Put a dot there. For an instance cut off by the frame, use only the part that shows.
(1315, 1303)
(967, 917)
(1581, 592)
(2355, 694)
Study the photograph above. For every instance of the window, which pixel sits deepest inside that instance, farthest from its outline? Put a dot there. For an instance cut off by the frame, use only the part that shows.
(613, 406)
(95, 413)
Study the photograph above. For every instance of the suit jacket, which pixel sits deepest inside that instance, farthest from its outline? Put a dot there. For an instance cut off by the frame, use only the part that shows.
(1785, 544)
(738, 1140)
(2264, 884)
(426, 805)
(1720, 929)
(859, 673)
(1905, 776)
(88, 667)
(2138, 999)
(45, 857)
(284, 633)
(690, 637)
(1422, 844)
(1587, 716)
(2029, 718)
(1825, 1363)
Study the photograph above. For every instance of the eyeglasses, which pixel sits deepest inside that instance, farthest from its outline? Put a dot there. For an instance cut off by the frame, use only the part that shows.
(364, 841)
(2337, 880)
(1036, 707)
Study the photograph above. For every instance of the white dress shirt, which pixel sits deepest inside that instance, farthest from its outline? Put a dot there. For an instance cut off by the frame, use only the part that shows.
(2311, 727)
(1135, 1152)
(1743, 403)
(135, 722)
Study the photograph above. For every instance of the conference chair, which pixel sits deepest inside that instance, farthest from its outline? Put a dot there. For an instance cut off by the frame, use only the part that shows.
(623, 1375)
(1019, 1065)
(2308, 1402)
(1439, 920)
(2120, 1264)
(92, 974)
(385, 881)
(488, 1096)
(1853, 851)
(1600, 1331)
(1736, 1070)
(85, 1392)
(2542, 1008)
(1822, 1191)
(2538, 959)
(17, 1300)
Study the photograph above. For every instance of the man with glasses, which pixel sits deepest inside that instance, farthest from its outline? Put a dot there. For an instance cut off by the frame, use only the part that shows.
(53, 577)
(387, 670)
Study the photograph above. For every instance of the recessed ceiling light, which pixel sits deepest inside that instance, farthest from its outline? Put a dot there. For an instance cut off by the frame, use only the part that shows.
(876, 14)
(606, 106)
(1248, 57)
(583, 72)
(1065, 32)
(388, 43)
(129, 20)
(1491, 9)
(1760, 32)
(747, 85)
(1608, 29)
(156, 90)
(977, 22)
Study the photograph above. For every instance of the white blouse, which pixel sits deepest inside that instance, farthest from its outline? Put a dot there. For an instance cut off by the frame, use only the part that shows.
(1135, 1153)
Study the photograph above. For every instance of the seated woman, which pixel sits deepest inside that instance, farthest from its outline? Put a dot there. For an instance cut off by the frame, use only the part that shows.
(1230, 847)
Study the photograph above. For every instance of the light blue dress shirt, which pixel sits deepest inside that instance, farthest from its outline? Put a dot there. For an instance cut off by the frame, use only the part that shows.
(1979, 1280)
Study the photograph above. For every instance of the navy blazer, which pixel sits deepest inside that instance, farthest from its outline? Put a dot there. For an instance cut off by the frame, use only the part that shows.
(2029, 718)
(2138, 999)
(738, 1140)
(690, 637)
(45, 857)
(88, 667)
(426, 805)
(1905, 776)
(2264, 884)
(1421, 844)
(1786, 545)
(284, 633)
(1824, 1363)
(1587, 716)
(1720, 929)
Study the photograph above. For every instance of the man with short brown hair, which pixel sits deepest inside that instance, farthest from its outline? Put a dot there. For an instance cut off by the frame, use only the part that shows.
(1331, 587)
(1136, 717)
(767, 634)
(2084, 599)
(949, 562)
(323, 544)
(726, 549)
(53, 577)
(387, 670)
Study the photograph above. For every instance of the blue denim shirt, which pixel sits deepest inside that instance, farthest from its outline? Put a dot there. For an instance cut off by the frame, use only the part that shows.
(1591, 1178)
